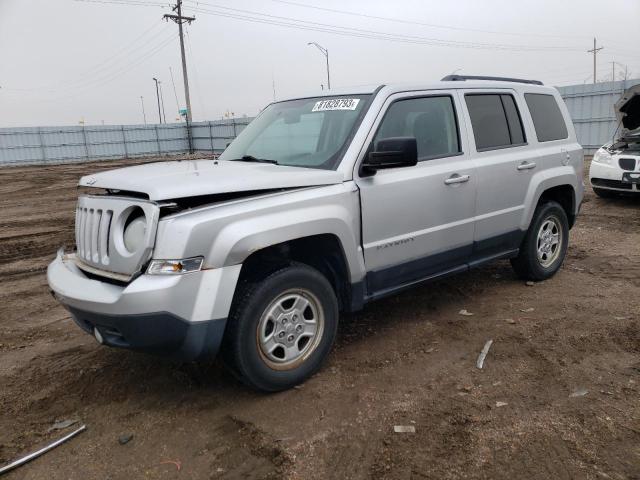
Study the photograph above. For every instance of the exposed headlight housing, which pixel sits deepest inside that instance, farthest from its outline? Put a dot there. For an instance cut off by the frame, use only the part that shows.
(134, 233)
(175, 267)
(602, 156)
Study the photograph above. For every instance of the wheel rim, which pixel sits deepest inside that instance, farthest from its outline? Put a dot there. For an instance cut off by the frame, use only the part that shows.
(549, 241)
(290, 329)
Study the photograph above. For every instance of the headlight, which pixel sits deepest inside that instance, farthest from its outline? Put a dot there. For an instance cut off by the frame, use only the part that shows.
(134, 234)
(175, 267)
(602, 156)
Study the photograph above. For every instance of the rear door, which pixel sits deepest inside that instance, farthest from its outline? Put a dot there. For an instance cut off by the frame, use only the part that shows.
(417, 222)
(504, 166)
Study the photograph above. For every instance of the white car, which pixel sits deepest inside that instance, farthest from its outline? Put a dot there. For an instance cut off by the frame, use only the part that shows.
(616, 166)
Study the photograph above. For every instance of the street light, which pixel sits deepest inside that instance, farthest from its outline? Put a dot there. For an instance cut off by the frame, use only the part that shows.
(158, 97)
(325, 52)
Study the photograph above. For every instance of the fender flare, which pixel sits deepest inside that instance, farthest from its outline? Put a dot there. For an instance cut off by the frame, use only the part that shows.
(543, 181)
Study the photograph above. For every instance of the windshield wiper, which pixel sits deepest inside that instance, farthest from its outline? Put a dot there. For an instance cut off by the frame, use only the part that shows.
(251, 158)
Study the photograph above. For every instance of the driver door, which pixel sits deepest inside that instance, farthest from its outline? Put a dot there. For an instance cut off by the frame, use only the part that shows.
(418, 222)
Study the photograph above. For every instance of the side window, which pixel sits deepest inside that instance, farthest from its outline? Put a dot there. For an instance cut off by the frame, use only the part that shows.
(431, 120)
(547, 118)
(495, 121)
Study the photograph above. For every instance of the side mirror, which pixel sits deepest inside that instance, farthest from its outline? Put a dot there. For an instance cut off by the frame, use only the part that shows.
(392, 153)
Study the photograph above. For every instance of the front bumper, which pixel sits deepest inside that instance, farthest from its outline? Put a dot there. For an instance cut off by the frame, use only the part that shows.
(182, 316)
(610, 177)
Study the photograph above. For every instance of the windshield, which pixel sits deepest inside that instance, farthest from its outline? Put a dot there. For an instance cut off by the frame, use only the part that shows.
(310, 132)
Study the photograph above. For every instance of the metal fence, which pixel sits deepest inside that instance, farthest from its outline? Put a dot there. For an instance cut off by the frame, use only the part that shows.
(592, 112)
(590, 106)
(43, 145)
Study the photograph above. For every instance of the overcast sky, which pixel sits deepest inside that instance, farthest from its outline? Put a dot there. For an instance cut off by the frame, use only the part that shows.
(64, 61)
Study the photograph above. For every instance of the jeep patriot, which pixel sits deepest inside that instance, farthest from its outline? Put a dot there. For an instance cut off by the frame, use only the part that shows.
(322, 204)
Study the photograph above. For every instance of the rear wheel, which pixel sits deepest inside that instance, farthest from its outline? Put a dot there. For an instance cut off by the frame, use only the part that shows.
(602, 193)
(281, 328)
(545, 244)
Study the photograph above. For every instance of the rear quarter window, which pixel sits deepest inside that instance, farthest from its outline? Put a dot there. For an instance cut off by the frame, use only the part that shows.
(547, 117)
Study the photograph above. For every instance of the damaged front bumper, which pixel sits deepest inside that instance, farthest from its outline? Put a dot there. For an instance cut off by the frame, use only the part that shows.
(180, 316)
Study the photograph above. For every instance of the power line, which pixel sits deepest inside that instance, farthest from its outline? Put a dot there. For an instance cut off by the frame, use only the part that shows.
(126, 68)
(175, 93)
(289, 22)
(197, 74)
(107, 78)
(103, 67)
(126, 2)
(430, 25)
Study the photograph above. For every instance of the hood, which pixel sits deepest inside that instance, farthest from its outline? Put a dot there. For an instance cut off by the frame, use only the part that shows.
(628, 110)
(192, 178)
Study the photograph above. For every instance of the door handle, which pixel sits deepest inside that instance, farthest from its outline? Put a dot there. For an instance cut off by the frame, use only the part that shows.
(456, 178)
(527, 166)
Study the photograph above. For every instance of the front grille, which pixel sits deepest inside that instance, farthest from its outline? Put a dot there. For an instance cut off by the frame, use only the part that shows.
(627, 163)
(605, 182)
(100, 224)
(92, 234)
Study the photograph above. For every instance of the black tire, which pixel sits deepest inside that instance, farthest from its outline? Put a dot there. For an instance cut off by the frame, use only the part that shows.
(527, 265)
(602, 193)
(241, 350)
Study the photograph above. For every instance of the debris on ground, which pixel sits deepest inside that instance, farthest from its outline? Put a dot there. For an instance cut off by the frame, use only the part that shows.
(483, 354)
(510, 320)
(37, 453)
(581, 392)
(530, 283)
(62, 424)
(124, 439)
(177, 463)
(501, 404)
(404, 429)
(527, 310)
(465, 313)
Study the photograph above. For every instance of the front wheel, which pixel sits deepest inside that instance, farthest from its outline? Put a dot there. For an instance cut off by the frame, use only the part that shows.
(545, 244)
(281, 328)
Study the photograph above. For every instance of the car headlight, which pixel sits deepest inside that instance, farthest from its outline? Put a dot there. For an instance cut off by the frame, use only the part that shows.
(134, 233)
(175, 267)
(602, 156)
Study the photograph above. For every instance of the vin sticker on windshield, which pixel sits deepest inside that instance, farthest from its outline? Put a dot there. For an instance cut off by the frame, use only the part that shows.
(336, 104)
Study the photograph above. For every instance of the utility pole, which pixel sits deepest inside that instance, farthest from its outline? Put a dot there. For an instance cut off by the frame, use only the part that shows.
(158, 98)
(325, 52)
(594, 51)
(180, 20)
(164, 115)
(144, 115)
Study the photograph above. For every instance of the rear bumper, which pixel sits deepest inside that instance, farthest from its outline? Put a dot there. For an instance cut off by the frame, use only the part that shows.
(180, 316)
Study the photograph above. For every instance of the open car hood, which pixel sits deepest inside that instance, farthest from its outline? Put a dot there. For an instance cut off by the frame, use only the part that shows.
(628, 110)
(191, 178)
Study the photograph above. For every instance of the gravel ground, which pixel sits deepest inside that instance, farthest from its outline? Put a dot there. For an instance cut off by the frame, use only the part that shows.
(559, 396)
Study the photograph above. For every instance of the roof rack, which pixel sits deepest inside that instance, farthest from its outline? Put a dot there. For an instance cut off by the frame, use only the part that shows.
(462, 78)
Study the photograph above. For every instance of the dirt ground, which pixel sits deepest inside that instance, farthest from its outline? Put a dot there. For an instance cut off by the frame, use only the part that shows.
(407, 360)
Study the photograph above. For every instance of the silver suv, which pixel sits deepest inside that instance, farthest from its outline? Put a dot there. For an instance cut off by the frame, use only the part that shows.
(321, 205)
